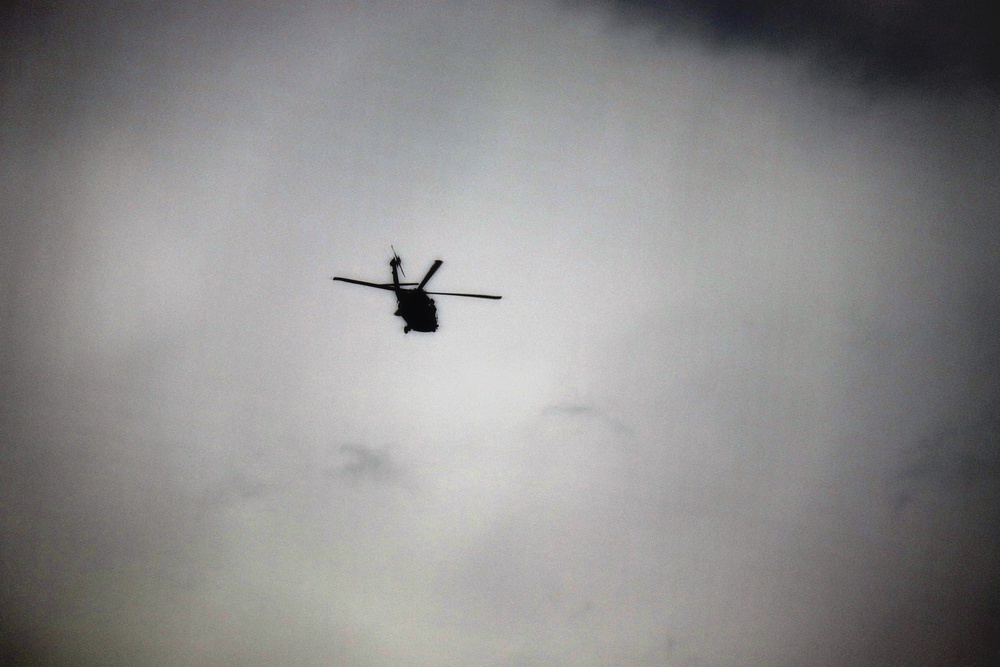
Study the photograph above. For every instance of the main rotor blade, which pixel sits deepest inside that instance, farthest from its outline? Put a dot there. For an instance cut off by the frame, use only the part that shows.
(386, 286)
(474, 296)
(397, 260)
(434, 267)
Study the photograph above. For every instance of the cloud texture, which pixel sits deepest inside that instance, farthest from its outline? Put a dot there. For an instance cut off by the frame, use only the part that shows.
(737, 406)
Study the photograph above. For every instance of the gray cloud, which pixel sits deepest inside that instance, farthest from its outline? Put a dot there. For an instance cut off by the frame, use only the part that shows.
(731, 410)
(964, 458)
(362, 463)
(589, 412)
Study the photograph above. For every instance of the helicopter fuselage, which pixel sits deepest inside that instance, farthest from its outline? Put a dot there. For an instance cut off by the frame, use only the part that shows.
(417, 309)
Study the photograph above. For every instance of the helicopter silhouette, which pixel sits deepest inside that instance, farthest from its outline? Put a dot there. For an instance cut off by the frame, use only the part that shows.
(414, 304)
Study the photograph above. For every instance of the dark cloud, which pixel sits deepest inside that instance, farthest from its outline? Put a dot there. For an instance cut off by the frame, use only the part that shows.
(914, 42)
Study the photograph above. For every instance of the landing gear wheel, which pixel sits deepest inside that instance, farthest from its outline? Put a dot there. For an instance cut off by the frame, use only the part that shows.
(406, 329)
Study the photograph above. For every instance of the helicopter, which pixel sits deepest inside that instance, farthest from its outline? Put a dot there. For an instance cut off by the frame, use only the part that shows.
(414, 304)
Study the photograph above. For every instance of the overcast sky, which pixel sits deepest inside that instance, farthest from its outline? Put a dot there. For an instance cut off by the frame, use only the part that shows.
(738, 405)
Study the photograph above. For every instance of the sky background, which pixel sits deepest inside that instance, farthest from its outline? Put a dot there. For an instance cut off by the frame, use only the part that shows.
(739, 405)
